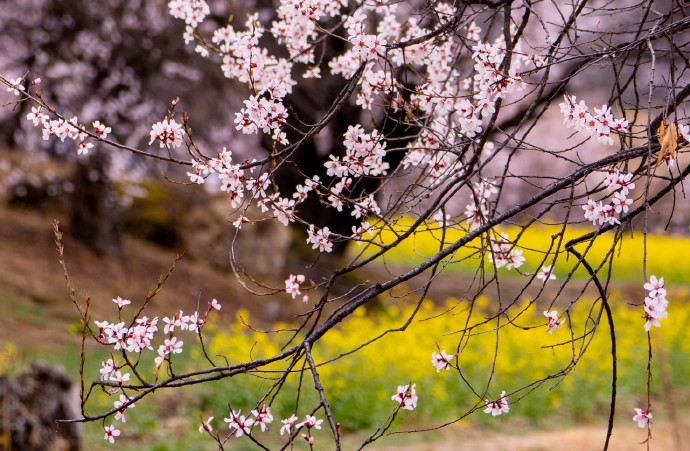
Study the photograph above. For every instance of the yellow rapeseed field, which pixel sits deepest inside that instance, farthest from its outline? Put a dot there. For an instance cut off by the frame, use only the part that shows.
(360, 385)
(662, 250)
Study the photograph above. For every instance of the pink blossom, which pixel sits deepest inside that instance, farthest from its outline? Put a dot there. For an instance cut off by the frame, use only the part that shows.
(120, 415)
(121, 302)
(107, 368)
(310, 422)
(320, 239)
(499, 406)
(655, 303)
(287, 424)
(600, 125)
(292, 284)
(552, 320)
(441, 361)
(642, 417)
(406, 396)
(168, 133)
(546, 273)
(16, 85)
(655, 287)
(238, 422)
(262, 417)
(101, 130)
(119, 377)
(110, 434)
(37, 116)
(206, 425)
(83, 148)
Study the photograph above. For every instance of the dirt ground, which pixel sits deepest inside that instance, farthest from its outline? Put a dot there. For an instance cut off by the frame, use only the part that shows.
(34, 299)
(624, 438)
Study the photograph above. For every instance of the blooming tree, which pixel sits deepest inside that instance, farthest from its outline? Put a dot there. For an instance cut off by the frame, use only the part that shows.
(465, 122)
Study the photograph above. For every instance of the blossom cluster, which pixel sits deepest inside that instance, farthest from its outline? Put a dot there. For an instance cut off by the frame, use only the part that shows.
(168, 133)
(233, 180)
(244, 425)
(456, 106)
(478, 211)
(620, 185)
(453, 105)
(63, 129)
(135, 338)
(655, 302)
(297, 26)
(292, 285)
(503, 253)
(364, 153)
(261, 418)
(600, 125)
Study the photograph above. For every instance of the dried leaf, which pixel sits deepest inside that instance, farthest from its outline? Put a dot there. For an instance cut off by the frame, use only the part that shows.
(668, 140)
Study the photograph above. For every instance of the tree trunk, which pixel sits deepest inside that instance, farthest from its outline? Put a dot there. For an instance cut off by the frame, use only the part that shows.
(95, 219)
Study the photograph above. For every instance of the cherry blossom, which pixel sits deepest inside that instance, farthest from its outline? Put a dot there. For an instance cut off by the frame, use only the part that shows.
(616, 181)
(287, 424)
(121, 302)
(655, 287)
(320, 239)
(179, 320)
(83, 148)
(441, 361)
(684, 132)
(283, 210)
(642, 417)
(262, 417)
(111, 433)
(170, 346)
(406, 396)
(499, 406)
(196, 322)
(576, 115)
(37, 116)
(504, 254)
(598, 212)
(120, 415)
(168, 133)
(655, 302)
(292, 285)
(206, 425)
(108, 367)
(193, 12)
(16, 86)
(238, 422)
(101, 130)
(621, 203)
(119, 377)
(546, 273)
(552, 320)
(310, 422)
